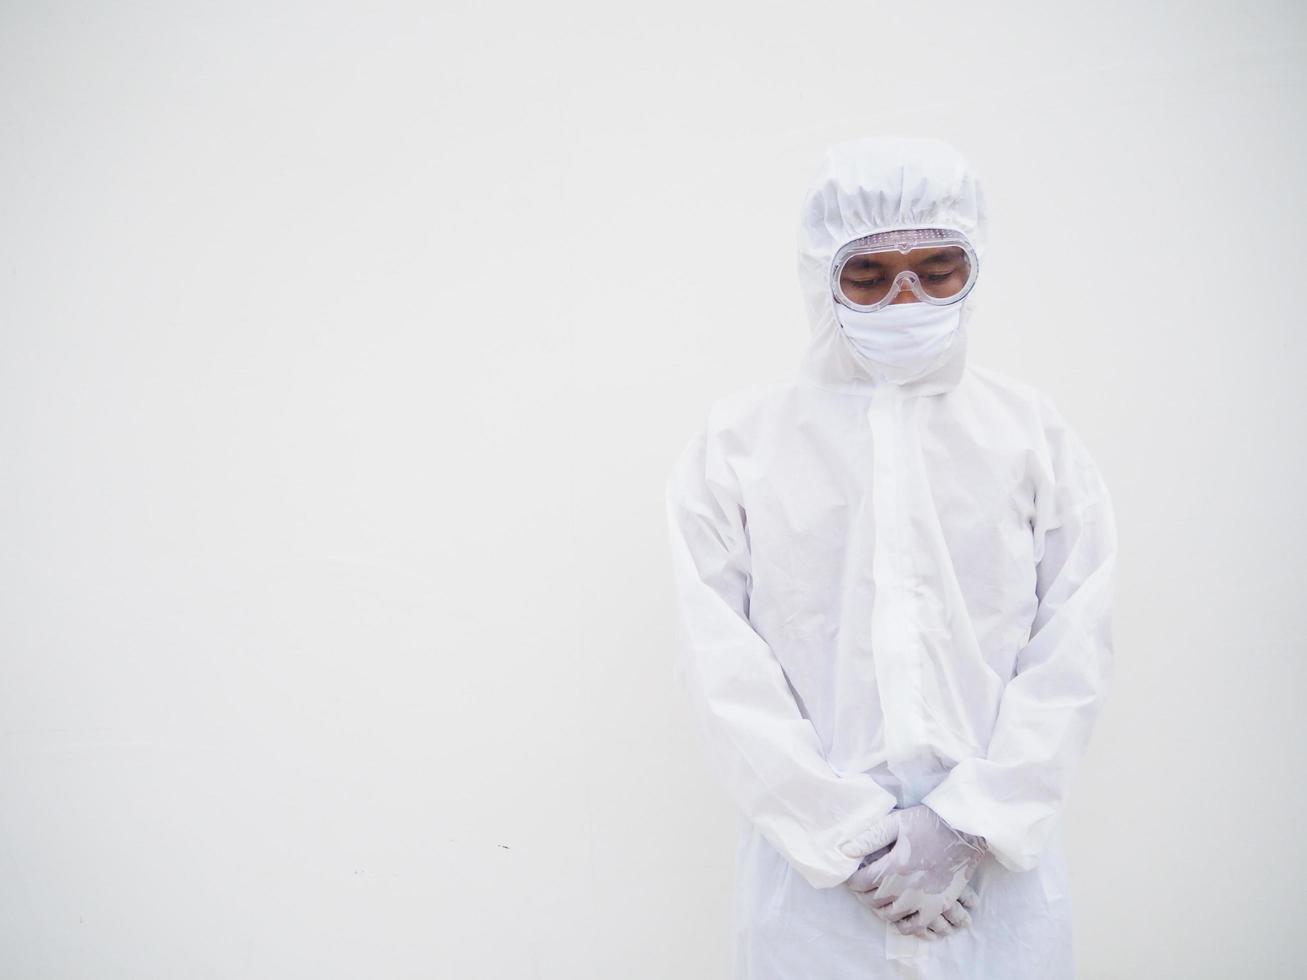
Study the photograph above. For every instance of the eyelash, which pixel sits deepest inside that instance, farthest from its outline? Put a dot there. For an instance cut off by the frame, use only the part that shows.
(867, 283)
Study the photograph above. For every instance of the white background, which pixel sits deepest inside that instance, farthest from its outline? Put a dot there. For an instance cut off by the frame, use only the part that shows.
(345, 350)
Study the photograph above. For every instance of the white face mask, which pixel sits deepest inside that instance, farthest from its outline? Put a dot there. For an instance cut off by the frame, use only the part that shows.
(904, 339)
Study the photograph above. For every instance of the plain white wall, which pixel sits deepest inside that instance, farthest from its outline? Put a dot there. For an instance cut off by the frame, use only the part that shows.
(345, 349)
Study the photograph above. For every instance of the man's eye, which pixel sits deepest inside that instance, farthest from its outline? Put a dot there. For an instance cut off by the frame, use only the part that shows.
(866, 283)
(939, 277)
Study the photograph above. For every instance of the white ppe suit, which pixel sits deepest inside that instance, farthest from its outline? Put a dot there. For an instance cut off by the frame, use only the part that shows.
(892, 592)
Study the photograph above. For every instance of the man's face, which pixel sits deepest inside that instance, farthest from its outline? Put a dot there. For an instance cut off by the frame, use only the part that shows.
(942, 272)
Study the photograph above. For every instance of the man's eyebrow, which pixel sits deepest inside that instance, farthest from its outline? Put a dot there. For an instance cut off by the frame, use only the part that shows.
(946, 256)
(871, 262)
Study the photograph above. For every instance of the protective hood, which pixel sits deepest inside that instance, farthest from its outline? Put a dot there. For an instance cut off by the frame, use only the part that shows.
(867, 186)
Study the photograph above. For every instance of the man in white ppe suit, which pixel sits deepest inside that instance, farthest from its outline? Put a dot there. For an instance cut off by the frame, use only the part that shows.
(894, 574)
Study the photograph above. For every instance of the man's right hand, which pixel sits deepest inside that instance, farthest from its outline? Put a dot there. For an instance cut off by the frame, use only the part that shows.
(917, 883)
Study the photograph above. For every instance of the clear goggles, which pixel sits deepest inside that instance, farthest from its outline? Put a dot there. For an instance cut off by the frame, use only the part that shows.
(937, 265)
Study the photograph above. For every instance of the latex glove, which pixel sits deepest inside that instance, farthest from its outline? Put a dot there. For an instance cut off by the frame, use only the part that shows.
(922, 875)
(956, 916)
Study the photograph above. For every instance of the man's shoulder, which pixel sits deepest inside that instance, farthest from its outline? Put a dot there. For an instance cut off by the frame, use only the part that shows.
(1023, 403)
(750, 404)
(739, 417)
(1004, 386)
(1015, 396)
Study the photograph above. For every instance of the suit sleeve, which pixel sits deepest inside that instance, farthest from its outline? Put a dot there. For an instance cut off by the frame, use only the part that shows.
(1014, 794)
(765, 750)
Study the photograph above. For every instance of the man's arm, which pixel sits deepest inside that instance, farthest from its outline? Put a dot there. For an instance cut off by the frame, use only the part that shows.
(767, 752)
(1012, 796)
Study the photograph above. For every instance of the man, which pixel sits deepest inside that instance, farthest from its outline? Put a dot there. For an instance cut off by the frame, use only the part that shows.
(895, 576)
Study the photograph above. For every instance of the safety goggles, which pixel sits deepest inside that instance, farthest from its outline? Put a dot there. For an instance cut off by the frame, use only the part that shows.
(937, 265)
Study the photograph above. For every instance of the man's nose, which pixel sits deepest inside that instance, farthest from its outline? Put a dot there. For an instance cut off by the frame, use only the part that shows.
(905, 293)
